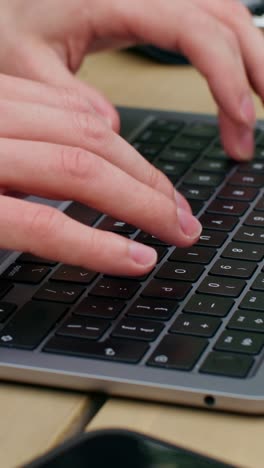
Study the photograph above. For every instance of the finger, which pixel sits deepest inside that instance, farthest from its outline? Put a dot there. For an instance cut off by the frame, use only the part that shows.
(238, 140)
(39, 59)
(79, 130)
(46, 232)
(237, 17)
(71, 173)
(208, 44)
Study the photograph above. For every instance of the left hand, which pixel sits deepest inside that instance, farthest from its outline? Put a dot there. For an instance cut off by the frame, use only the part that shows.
(47, 41)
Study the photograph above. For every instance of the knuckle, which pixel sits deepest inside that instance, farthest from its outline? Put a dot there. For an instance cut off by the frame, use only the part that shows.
(89, 127)
(42, 222)
(231, 39)
(158, 181)
(238, 10)
(75, 163)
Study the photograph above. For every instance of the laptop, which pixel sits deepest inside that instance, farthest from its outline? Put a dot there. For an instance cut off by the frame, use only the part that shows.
(192, 331)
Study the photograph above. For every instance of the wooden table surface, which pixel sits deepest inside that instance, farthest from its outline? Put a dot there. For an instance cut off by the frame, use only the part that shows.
(33, 420)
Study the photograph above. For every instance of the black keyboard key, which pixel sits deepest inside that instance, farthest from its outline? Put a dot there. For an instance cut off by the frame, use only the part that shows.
(200, 325)
(26, 273)
(6, 309)
(222, 286)
(118, 288)
(214, 166)
(204, 179)
(5, 287)
(218, 222)
(241, 251)
(87, 328)
(29, 258)
(171, 168)
(99, 308)
(152, 309)
(155, 136)
(210, 305)
(253, 301)
(240, 342)
(166, 289)
(196, 206)
(148, 150)
(233, 268)
(73, 274)
(258, 283)
(31, 324)
(82, 213)
(255, 219)
(193, 254)
(195, 193)
(112, 349)
(185, 156)
(186, 142)
(137, 329)
(57, 292)
(146, 238)
(115, 225)
(234, 208)
(227, 364)
(211, 238)
(178, 352)
(256, 166)
(250, 234)
(167, 125)
(201, 130)
(238, 193)
(247, 321)
(216, 152)
(180, 271)
(247, 180)
(161, 251)
(260, 205)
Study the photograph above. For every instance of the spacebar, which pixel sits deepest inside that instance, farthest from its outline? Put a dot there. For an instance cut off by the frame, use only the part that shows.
(117, 350)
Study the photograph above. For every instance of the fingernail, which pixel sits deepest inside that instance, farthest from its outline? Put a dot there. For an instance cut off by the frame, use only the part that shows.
(182, 202)
(247, 111)
(246, 145)
(142, 254)
(189, 224)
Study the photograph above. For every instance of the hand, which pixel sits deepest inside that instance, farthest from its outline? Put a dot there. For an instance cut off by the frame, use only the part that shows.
(54, 145)
(48, 40)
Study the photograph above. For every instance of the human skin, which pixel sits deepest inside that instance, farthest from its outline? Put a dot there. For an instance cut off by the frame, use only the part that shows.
(59, 138)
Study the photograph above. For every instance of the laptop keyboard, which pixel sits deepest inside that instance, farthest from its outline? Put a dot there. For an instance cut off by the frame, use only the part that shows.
(200, 310)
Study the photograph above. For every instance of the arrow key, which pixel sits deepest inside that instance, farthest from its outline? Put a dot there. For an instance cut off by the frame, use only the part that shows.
(199, 325)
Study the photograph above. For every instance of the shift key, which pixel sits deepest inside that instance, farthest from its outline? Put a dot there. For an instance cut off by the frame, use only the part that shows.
(29, 326)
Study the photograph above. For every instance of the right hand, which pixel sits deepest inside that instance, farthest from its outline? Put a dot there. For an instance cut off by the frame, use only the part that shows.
(54, 145)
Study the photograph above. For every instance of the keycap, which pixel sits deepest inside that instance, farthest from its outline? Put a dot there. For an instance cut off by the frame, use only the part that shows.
(255, 219)
(98, 307)
(73, 274)
(118, 288)
(253, 301)
(137, 329)
(227, 364)
(196, 206)
(204, 179)
(260, 205)
(201, 130)
(255, 166)
(249, 234)
(186, 142)
(216, 152)
(171, 168)
(247, 320)
(111, 349)
(29, 258)
(218, 222)
(59, 292)
(185, 156)
(210, 238)
(237, 193)
(152, 309)
(31, 324)
(82, 213)
(247, 180)
(178, 352)
(210, 305)
(151, 136)
(222, 286)
(200, 325)
(227, 208)
(169, 125)
(146, 238)
(80, 327)
(5, 287)
(195, 193)
(180, 271)
(258, 283)
(233, 268)
(166, 289)
(239, 250)
(214, 166)
(193, 254)
(148, 150)
(26, 273)
(6, 309)
(114, 225)
(240, 342)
